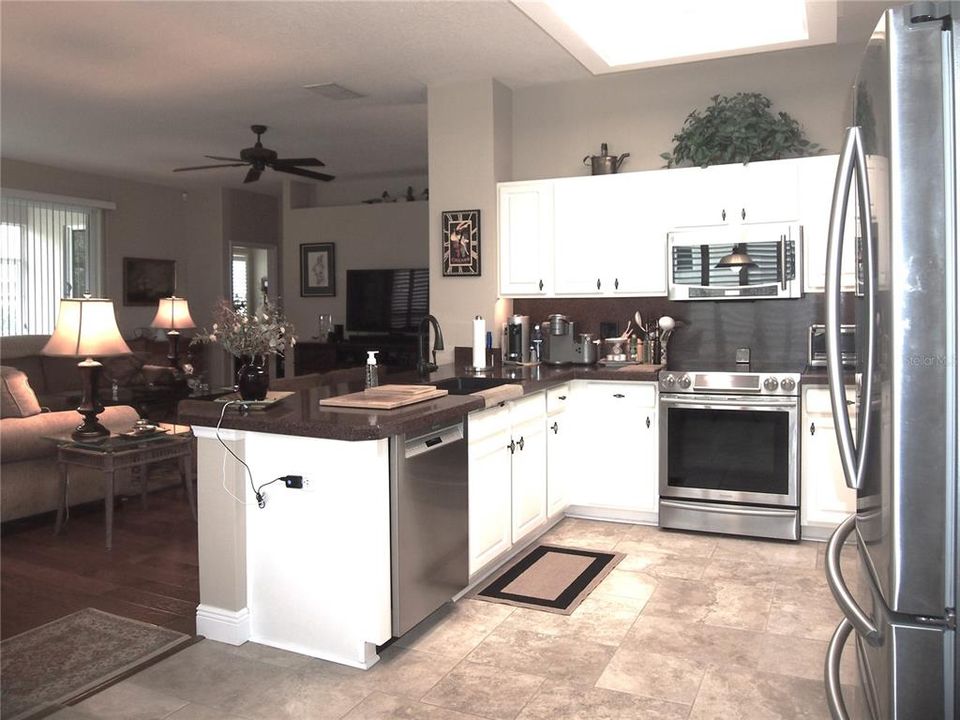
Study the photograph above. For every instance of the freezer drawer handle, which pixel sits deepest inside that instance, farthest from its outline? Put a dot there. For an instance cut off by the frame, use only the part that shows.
(831, 671)
(854, 613)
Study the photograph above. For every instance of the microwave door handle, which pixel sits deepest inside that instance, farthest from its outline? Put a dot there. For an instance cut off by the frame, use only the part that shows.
(782, 251)
(831, 671)
(838, 213)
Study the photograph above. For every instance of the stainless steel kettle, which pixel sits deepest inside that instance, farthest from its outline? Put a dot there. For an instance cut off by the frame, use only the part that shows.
(604, 164)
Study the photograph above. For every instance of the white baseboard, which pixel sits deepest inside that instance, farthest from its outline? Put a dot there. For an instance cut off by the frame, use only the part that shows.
(227, 626)
(637, 517)
(369, 651)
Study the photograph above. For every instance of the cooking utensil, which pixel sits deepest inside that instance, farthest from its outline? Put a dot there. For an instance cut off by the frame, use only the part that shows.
(604, 164)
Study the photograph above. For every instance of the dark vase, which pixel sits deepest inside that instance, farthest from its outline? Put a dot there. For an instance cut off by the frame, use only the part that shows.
(253, 380)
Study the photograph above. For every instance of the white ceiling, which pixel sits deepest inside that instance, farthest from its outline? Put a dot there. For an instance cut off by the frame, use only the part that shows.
(134, 89)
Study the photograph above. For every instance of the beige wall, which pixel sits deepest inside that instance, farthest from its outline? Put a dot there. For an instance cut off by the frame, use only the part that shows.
(355, 190)
(556, 125)
(390, 235)
(469, 148)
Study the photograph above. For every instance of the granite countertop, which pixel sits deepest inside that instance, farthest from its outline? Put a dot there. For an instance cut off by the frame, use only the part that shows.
(300, 414)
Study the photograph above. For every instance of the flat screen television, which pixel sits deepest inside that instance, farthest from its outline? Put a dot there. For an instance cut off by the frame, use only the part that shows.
(387, 301)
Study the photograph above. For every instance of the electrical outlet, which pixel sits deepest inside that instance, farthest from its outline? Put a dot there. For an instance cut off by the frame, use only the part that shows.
(294, 482)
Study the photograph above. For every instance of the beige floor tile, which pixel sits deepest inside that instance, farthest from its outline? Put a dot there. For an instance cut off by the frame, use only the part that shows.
(663, 677)
(588, 534)
(803, 658)
(810, 615)
(804, 581)
(802, 554)
(128, 701)
(743, 572)
(555, 701)
(379, 706)
(456, 628)
(621, 583)
(740, 606)
(601, 619)
(673, 542)
(659, 564)
(574, 661)
(484, 690)
(202, 712)
(407, 673)
(267, 654)
(688, 600)
(734, 694)
(70, 713)
(707, 644)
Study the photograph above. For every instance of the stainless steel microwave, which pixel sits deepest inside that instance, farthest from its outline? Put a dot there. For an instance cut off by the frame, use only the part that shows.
(774, 269)
(817, 346)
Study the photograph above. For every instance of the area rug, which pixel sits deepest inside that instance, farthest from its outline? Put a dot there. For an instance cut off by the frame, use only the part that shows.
(551, 578)
(49, 665)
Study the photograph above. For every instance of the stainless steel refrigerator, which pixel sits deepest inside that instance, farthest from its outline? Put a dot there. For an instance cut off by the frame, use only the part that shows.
(898, 591)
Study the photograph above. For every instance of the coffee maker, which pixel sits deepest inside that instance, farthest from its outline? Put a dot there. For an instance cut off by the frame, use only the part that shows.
(563, 345)
(516, 340)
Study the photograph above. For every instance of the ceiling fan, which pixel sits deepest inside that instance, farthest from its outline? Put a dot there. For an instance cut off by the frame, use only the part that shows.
(259, 158)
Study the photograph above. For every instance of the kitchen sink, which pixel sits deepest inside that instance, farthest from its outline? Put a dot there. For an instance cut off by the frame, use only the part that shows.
(464, 385)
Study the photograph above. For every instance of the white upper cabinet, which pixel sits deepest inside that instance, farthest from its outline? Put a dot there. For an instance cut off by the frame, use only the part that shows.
(733, 194)
(817, 177)
(526, 237)
(582, 223)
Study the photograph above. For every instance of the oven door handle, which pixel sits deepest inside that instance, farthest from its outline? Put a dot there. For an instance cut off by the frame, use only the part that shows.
(727, 510)
(706, 402)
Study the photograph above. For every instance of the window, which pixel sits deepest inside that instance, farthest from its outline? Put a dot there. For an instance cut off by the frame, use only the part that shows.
(240, 282)
(48, 250)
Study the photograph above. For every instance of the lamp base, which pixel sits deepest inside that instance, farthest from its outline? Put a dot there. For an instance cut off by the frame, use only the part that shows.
(90, 407)
(90, 429)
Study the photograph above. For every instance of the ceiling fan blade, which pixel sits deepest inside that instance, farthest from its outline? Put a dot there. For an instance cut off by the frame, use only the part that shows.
(305, 173)
(307, 162)
(253, 175)
(218, 157)
(208, 167)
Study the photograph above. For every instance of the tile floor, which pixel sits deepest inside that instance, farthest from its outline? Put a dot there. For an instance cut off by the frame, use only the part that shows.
(688, 626)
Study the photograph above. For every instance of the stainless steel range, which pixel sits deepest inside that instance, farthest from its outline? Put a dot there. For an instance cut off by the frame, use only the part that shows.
(729, 450)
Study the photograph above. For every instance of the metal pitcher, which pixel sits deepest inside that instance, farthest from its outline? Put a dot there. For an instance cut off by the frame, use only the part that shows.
(604, 164)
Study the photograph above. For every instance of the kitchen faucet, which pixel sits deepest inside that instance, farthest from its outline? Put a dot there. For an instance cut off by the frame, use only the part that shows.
(423, 337)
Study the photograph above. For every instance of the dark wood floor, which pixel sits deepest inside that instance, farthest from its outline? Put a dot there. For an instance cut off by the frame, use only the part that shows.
(150, 574)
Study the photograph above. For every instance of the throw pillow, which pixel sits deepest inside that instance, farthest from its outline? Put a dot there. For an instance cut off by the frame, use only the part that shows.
(17, 399)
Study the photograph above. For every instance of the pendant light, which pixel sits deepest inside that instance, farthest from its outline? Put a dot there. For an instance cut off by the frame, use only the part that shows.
(737, 258)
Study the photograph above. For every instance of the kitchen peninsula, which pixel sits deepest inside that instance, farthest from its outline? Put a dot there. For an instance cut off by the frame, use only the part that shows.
(311, 571)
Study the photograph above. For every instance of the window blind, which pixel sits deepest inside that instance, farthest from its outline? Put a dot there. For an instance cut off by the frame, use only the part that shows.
(240, 281)
(48, 250)
(410, 298)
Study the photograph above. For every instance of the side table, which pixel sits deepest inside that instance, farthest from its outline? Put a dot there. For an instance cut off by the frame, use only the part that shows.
(119, 452)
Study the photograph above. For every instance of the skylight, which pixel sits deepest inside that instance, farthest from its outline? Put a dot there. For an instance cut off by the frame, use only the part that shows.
(615, 35)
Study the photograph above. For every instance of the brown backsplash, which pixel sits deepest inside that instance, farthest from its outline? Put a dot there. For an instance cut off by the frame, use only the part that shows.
(774, 330)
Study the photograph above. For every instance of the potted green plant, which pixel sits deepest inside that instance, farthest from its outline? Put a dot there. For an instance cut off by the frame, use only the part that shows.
(738, 129)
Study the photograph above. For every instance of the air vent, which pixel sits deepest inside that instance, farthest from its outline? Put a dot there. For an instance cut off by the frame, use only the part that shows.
(333, 91)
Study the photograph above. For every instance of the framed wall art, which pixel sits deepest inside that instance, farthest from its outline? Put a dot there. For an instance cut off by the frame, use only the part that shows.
(318, 274)
(146, 280)
(460, 242)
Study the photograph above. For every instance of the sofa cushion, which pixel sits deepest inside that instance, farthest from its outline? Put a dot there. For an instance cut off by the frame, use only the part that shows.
(124, 369)
(33, 368)
(25, 438)
(17, 399)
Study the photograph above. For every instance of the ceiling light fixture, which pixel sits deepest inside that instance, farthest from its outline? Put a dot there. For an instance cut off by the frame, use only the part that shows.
(616, 35)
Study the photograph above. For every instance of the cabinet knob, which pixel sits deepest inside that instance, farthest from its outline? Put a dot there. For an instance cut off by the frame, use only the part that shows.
(743, 213)
(541, 284)
(813, 428)
(512, 447)
(520, 444)
(648, 421)
(554, 427)
(598, 283)
(619, 395)
(723, 214)
(616, 283)
(561, 397)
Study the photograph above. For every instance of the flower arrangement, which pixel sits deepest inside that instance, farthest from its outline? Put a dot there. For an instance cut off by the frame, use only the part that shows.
(266, 332)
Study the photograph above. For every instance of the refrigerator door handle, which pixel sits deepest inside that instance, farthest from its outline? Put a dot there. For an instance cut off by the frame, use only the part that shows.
(831, 671)
(860, 621)
(852, 160)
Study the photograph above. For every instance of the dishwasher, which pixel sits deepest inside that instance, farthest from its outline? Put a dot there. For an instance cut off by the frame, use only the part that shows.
(429, 542)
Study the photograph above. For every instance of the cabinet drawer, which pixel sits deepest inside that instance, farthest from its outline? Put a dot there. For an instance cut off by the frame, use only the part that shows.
(528, 408)
(484, 423)
(637, 394)
(558, 398)
(816, 400)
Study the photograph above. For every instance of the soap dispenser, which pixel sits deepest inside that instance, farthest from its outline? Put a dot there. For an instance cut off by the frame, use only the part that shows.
(371, 379)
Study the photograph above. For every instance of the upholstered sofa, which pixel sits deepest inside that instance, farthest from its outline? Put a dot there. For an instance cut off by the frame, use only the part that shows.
(29, 478)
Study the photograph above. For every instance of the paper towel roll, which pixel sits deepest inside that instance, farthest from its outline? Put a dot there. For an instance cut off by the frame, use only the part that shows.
(479, 342)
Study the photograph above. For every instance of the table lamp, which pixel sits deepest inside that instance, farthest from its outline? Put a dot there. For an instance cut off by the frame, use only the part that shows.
(173, 315)
(87, 328)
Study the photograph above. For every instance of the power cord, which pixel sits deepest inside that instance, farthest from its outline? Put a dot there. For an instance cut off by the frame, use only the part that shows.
(257, 491)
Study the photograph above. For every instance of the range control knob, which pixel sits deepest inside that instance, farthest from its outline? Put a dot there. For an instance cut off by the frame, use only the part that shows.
(788, 384)
(770, 384)
(669, 380)
(684, 382)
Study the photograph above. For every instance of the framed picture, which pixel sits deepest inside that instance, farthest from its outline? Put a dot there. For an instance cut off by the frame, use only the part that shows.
(146, 280)
(318, 275)
(460, 242)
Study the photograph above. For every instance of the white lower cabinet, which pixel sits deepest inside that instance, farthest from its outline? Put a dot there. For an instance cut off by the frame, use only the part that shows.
(508, 476)
(561, 439)
(618, 447)
(825, 498)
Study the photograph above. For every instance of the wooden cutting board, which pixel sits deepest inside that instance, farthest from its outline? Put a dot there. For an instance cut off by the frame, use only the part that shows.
(386, 397)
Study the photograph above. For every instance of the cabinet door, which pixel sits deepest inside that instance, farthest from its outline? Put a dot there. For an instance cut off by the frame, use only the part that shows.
(825, 498)
(489, 489)
(561, 449)
(701, 197)
(581, 233)
(529, 471)
(635, 261)
(525, 212)
(817, 176)
(766, 192)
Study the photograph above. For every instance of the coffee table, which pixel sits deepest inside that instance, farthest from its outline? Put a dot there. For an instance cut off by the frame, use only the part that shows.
(119, 452)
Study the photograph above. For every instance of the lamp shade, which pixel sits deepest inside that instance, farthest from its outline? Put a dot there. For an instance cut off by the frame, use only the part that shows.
(86, 327)
(173, 313)
(738, 258)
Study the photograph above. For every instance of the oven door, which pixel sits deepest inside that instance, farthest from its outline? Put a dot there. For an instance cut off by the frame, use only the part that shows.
(729, 448)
